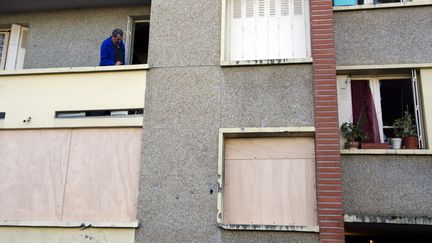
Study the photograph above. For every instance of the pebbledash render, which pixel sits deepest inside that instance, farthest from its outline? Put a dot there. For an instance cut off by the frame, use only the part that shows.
(223, 126)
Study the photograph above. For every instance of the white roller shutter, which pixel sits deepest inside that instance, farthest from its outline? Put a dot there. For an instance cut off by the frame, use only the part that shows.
(268, 29)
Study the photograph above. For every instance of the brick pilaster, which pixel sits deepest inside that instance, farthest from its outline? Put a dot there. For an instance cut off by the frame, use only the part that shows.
(328, 163)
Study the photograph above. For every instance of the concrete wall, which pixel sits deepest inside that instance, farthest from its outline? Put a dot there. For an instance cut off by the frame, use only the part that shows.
(387, 185)
(188, 98)
(70, 38)
(384, 36)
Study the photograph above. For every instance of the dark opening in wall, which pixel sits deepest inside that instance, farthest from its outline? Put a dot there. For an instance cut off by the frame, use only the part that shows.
(2, 115)
(140, 42)
(387, 233)
(396, 97)
(98, 113)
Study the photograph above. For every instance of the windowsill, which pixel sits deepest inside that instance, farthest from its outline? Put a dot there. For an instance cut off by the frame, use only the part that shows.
(266, 62)
(133, 224)
(386, 151)
(74, 70)
(260, 227)
(381, 5)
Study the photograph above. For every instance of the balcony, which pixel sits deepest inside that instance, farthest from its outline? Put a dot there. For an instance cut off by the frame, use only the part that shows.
(29, 5)
(72, 97)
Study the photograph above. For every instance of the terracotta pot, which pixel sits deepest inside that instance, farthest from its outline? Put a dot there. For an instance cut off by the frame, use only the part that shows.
(410, 142)
(374, 146)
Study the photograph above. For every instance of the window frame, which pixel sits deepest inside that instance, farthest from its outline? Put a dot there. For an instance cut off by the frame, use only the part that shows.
(5, 49)
(255, 133)
(224, 54)
(374, 84)
(130, 35)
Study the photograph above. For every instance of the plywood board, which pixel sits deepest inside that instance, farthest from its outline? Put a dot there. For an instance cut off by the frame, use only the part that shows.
(103, 174)
(269, 148)
(263, 187)
(32, 173)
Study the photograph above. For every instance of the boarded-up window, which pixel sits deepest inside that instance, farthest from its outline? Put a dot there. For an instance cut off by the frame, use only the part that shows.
(267, 29)
(69, 175)
(269, 181)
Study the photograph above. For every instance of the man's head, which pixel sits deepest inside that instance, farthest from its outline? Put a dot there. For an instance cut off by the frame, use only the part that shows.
(117, 36)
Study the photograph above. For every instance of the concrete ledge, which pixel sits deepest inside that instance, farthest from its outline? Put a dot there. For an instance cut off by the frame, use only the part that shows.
(267, 62)
(245, 130)
(73, 70)
(382, 5)
(83, 225)
(383, 66)
(388, 219)
(299, 228)
(386, 151)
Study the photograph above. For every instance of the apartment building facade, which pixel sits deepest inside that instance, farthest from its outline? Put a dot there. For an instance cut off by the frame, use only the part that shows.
(224, 126)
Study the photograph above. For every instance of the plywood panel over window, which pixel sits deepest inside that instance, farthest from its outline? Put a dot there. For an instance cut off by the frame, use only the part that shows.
(267, 29)
(269, 181)
(102, 182)
(69, 175)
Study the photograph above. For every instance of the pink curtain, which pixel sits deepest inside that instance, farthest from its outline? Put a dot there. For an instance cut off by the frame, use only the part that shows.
(364, 112)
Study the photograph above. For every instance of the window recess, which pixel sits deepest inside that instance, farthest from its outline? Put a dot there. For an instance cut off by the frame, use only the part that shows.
(375, 102)
(259, 171)
(98, 113)
(366, 2)
(266, 30)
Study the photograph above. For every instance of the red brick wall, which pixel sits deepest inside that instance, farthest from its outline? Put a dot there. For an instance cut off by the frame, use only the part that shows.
(329, 178)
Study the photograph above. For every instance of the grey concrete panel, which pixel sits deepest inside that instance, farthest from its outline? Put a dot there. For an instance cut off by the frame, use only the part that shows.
(178, 172)
(185, 33)
(185, 234)
(385, 36)
(387, 185)
(70, 38)
(183, 97)
(267, 96)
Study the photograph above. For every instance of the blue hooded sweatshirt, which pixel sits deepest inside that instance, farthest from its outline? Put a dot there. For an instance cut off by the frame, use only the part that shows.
(107, 53)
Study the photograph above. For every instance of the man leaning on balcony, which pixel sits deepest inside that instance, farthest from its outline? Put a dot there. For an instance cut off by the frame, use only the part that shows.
(112, 50)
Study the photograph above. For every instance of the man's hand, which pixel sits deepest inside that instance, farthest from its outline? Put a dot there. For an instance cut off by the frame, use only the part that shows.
(118, 63)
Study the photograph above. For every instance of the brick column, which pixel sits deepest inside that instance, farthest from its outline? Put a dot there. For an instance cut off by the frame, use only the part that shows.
(328, 163)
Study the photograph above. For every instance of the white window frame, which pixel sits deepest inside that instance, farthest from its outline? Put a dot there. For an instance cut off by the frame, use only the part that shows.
(16, 52)
(225, 59)
(345, 110)
(5, 49)
(130, 31)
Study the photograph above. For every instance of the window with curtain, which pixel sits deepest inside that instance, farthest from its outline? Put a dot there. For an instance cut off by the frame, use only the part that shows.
(375, 102)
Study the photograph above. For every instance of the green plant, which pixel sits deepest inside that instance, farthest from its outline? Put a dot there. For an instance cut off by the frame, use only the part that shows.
(353, 133)
(405, 126)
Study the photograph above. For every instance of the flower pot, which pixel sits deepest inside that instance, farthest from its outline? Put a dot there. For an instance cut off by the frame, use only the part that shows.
(374, 146)
(410, 142)
(397, 142)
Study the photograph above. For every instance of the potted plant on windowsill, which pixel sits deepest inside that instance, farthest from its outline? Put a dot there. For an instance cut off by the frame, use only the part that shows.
(354, 135)
(407, 130)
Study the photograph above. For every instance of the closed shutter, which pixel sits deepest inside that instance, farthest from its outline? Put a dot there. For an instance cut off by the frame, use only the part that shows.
(268, 29)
